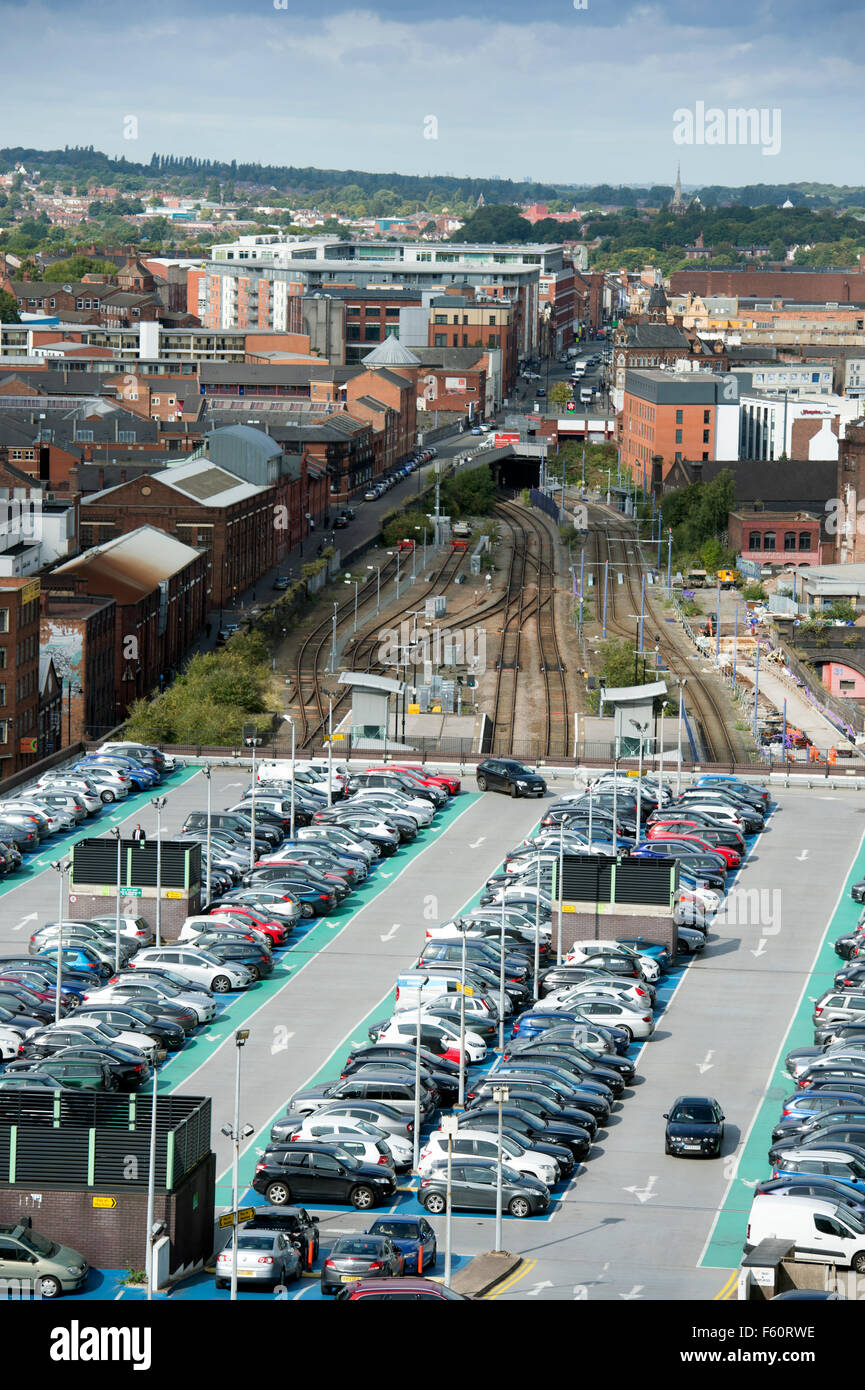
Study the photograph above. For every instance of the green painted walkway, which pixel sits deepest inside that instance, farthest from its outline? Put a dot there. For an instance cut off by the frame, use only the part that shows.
(724, 1249)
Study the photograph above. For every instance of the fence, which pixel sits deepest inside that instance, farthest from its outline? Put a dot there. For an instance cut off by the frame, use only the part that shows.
(545, 504)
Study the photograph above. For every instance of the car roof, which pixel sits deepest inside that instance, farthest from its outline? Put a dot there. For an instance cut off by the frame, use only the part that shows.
(695, 1100)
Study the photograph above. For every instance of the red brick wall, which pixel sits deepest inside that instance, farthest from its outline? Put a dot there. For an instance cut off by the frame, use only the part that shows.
(810, 287)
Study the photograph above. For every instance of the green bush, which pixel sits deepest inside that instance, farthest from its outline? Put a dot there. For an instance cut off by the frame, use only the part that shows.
(210, 702)
(754, 592)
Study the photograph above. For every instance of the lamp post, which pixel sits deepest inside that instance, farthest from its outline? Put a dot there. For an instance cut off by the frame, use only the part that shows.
(450, 1125)
(377, 569)
(461, 1097)
(206, 773)
(288, 719)
(240, 1038)
(537, 925)
(682, 684)
(154, 1229)
(669, 557)
(642, 606)
(333, 641)
(606, 580)
(718, 627)
(349, 579)
(501, 1047)
(756, 687)
(560, 888)
(642, 730)
(116, 833)
(253, 741)
(157, 803)
(422, 980)
(62, 866)
(329, 755)
(501, 1095)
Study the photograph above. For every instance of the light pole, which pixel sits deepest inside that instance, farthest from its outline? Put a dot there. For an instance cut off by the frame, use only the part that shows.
(152, 1229)
(682, 684)
(502, 980)
(642, 730)
(157, 803)
(718, 627)
(206, 772)
(450, 1125)
(669, 559)
(397, 574)
(349, 579)
(235, 1134)
(422, 980)
(500, 1096)
(561, 891)
(537, 923)
(116, 833)
(756, 687)
(333, 641)
(606, 580)
(288, 719)
(254, 742)
(642, 605)
(377, 569)
(62, 866)
(329, 754)
(461, 1096)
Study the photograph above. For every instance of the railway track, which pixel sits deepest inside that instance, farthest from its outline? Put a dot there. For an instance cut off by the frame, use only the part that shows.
(719, 745)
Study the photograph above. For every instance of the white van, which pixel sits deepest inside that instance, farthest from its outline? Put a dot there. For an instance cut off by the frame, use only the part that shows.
(410, 992)
(821, 1232)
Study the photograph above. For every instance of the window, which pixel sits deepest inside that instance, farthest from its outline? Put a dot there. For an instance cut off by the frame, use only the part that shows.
(789, 540)
(440, 318)
(847, 685)
(352, 332)
(679, 417)
(705, 436)
(126, 436)
(156, 400)
(4, 619)
(804, 540)
(84, 436)
(769, 540)
(706, 417)
(754, 540)
(678, 436)
(372, 332)
(678, 457)
(492, 320)
(491, 341)
(440, 340)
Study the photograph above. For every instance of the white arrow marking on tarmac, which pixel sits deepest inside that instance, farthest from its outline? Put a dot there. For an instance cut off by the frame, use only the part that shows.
(480, 842)
(580, 1291)
(707, 1065)
(644, 1193)
(31, 917)
(282, 1045)
(761, 949)
(330, 924)
(212, 1037)
(748, 1182)
(635, 1292)
(393, 931)
(803, 856)
(384, 875)
(533, 1293)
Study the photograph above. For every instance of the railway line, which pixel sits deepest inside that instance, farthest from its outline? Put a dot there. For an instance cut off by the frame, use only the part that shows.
(701, 697)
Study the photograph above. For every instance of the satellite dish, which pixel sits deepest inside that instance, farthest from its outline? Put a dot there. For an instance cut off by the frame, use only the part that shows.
(67, 289)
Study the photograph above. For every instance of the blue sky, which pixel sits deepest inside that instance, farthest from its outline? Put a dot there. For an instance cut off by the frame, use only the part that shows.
(546, 90)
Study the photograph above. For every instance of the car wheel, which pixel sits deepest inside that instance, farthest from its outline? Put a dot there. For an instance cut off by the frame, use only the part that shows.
(858, 1262)
(306, 909)
(362, 1198)
(482, 784)
(668, 1151)
(513, 789)
(627, 1032)
(278, 1194)
(433, 1260)
(220, 1283)
(49, 1287)
(255, 973)
(519, 1207)
(434, 1203)
(220, 984)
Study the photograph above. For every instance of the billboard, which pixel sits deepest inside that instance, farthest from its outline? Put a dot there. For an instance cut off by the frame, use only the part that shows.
(501, 441)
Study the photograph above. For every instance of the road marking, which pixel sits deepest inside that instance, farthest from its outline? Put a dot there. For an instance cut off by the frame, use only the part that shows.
(515, 1278)
(761, 948)
(476, 843)
(804, 855)
(544, 1284)
(644, 1194)
(282, 1044)
(725, 1288)
(119, 1294)
(707, 1065)
(31, 917)
(634, 1293)
(393, 931)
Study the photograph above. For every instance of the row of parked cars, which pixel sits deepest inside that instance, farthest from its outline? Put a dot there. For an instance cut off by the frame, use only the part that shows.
(815, 1197)
(384, 484)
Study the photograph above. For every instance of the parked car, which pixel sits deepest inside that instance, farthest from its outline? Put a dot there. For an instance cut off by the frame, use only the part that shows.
(353, 1258)
(52, 1269)
(473, 1188)
(507, 775)
(263, 1257)
(323, 1173)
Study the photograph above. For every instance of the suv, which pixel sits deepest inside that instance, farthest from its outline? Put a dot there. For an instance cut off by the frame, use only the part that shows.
(507, 775)
(321, 1173)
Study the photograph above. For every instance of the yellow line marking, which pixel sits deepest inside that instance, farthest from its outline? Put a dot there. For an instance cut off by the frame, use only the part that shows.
(512, 1279)
(726, 1289)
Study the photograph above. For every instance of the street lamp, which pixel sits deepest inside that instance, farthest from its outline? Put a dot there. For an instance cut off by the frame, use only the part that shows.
(501, 1095)
(206, 773)
(642, 730)
(333, 640)
(116, 833)
(288, 719)
(502, 979)
(253, 741)
(62, 866)
(235, 1133)
(450, 1125)
(377, 569)
(158, 802)
(349, 579)
(422, 980)
(682, 683)
(462, 928)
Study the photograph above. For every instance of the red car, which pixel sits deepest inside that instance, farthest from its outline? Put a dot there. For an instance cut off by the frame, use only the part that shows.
(444, 780)
(664, 832)
(269, 926)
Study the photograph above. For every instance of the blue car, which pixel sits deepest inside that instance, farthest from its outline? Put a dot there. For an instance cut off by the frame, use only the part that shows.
(658, 952)
(413, 1237)
(803, 1104)
(77, 958)
(142, 778)
(531, 1024)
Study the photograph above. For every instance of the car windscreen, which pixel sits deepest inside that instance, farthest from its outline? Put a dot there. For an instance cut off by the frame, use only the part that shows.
(693, 1114)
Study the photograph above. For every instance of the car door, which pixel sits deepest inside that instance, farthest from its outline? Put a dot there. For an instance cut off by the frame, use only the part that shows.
(825, 1242)
(15, 1261)
(329, 1176)
(480, 1191)
(298, 1174)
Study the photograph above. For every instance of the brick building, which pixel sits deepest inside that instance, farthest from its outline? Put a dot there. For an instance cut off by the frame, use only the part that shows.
(841, 286)
(19, 673)
(770, 537)
(458, 321)
(670, 416)
(160, 587)
(77, 633)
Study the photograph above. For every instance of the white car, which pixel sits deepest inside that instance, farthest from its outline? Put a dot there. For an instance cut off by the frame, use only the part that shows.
(131, 928)
(569, 996)
(339, 1128)
(482, 1143)
(581, 950)
(90, 797)
(611, 1011)
(11, 1043)
(417, 807)
(194, 927)
(111, 786)
(339, 839)
(403, 1028)
(127, 990)
(196, 965)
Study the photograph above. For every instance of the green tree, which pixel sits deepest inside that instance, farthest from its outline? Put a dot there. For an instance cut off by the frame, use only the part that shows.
(560, 394)
(8, 308)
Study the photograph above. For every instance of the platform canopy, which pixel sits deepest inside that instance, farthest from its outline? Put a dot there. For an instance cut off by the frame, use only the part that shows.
(633, 694)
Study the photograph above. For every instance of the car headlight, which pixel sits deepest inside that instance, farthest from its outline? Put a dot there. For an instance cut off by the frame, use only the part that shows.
(74, 1269)
(521, 784)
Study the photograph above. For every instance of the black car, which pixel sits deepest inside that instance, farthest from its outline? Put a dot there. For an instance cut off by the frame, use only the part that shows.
(376, 1052)
(531, 1128)
(695, 1127)
(360, 1257)
(321, 1173)
(507, 775)
(296, 1225)
(129, 1070)
(167, 1034)
(857, 892)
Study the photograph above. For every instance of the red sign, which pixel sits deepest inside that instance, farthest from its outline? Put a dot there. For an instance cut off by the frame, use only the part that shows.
(501, 441)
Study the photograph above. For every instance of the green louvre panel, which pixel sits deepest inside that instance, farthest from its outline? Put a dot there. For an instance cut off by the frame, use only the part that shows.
(94, 860)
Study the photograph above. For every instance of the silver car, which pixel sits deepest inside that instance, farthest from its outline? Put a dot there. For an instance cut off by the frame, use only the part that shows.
(196, 965)
(263, 1257)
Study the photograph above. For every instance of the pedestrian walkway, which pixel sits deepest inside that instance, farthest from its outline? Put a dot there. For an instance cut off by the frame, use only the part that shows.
(775, 689)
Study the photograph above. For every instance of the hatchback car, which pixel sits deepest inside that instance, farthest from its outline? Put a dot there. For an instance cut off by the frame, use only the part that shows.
(413, 1237)
(353, 1258)
(473, 1188)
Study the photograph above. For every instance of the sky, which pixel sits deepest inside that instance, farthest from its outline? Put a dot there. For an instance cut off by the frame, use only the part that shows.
(611, 92)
